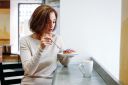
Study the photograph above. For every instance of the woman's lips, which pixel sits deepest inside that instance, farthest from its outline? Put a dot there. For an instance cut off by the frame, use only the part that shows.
(50, 30)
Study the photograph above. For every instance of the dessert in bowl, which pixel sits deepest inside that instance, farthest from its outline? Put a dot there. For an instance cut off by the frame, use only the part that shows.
(69, 51)
(65, 55)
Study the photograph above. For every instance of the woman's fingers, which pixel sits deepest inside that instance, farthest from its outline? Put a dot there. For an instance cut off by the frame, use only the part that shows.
(46, 40)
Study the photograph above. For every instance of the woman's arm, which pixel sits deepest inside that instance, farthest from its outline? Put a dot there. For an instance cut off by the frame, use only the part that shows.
(29, 61)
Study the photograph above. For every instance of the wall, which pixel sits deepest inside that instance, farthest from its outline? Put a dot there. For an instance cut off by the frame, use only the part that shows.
(92, 28)
(124, 44)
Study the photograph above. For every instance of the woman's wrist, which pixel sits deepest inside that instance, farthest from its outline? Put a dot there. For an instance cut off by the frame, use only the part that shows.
(42, 46)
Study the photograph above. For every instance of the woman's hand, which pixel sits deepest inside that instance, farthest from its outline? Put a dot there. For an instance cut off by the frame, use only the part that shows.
(46, 40)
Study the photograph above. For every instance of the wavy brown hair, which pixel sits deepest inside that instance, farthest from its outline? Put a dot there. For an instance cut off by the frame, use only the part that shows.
(40, 18)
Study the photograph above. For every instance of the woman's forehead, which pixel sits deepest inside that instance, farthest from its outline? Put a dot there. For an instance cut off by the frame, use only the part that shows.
(52, 16)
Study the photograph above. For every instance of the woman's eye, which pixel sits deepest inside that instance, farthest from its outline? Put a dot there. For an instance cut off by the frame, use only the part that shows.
(54, 21)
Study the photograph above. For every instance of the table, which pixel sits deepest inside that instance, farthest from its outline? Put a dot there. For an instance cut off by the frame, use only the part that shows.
(71, 75)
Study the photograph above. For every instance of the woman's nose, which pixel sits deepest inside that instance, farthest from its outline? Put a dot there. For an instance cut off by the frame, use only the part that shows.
(51, 25)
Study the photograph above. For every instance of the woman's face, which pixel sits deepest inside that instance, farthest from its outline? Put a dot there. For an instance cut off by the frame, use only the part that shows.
(51, 23)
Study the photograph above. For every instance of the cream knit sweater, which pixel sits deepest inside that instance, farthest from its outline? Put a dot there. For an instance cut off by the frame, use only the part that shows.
(38, 62)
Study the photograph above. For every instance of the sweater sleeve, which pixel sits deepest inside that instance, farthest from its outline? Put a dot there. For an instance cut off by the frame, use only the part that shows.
(29, 62)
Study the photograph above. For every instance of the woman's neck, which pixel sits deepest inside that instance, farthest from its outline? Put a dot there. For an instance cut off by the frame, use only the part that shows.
(36, 36)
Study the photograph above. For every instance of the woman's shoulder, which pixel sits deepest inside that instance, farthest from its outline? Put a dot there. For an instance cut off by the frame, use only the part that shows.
(25, 38)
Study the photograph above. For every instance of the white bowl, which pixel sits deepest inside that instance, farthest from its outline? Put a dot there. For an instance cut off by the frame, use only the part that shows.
(67, 55)
(64, 58)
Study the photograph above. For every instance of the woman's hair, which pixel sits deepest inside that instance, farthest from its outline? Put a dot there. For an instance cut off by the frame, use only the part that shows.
(40, 18)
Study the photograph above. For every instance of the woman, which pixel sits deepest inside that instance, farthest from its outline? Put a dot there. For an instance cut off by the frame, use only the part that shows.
(39, 50)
